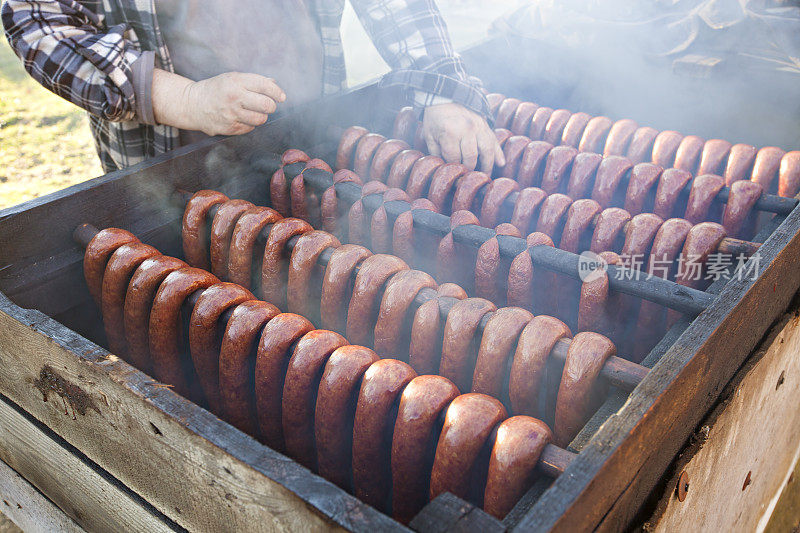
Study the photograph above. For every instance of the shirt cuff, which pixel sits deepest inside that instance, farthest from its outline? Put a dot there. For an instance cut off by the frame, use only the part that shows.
(424, 99)
(142, 72)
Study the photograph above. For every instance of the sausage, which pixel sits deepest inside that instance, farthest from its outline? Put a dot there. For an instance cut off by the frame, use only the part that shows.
(425, 348)
(302, 266)
(619, 137)
(526, 208)
(221, 232)
(639, 235)
(292, 155)
(272, 358)
(420, 176)
(643, 177)
(303, 375)
(554, 128)
(468, 423)
(496, 193)
(539, 122)
(531, 164)
(506, 112)
(442, 182)
(576, 239)
(516, 451)
(458, 350)
(449, 262)
(279, 197)
(671, 184)
(205, 340)
(740, 163)
(598, 310)
(702, 240)
(416, 432)
(195, 249)
(357, 218)
(166, 335)
(607, 229)
(383, 158)
(521, 122)
(609, 175)
(364, 151)
(765, 168)
(403, 245)
(688, 154)
(715, 154)
(347, 146)
(401, 290)
(240, 256)
(420, 143)
(381, 386)
(665, 147)
(405, 124)
(789, 181)
(119, 270)
(559, 161)
(512, 150)
(573, 131)
(552, 213)
(380, 232)
(467, 188)
(487, 265)
(528, 287)
(274, 275)
(237, 361)
(640, 148)
(329, 203)
(138, 301)
(741, 199)
(336, 285)
(582, 174)
(373, 273)
(594, 136)
(301, 204)
(96, 256)
(499, 340)
(494, 99)
(401, 168)
(578, 390)
(701, 197)
(335, 410)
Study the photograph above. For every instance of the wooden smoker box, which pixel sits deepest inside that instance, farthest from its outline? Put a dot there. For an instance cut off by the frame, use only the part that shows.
(88, 441)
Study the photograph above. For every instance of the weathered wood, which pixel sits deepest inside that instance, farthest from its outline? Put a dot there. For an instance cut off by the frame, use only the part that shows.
(30, 509)
(452, 514)
(86, 494)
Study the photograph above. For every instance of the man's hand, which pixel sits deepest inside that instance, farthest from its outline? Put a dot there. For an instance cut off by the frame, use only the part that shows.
(229, 104)
(459, 135)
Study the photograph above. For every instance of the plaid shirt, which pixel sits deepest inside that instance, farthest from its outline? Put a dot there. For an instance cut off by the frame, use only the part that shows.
(83, 51)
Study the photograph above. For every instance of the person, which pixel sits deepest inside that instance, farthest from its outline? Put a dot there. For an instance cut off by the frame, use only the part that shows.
(156, 75)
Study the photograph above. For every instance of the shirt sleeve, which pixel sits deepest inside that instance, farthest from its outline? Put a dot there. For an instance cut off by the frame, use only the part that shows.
(412, 38)
(65, 47)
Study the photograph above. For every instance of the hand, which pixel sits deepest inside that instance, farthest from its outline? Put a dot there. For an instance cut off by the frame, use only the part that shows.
(459, 135)
(229, 104)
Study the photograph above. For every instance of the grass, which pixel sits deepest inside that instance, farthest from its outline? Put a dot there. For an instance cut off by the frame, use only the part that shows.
(45, 143)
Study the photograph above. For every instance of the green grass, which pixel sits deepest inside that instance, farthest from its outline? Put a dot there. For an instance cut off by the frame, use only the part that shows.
(45, 143)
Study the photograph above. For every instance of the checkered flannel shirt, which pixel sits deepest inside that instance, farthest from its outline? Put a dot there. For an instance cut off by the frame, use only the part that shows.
(83, 50)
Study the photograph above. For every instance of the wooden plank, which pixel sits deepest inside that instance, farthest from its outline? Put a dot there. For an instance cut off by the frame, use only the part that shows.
(30, 509)
(191, 466)
(607, 483)
(85, 493)
(449, 513)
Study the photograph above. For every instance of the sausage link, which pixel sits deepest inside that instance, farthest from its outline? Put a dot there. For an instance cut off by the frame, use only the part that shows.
(357, 220)
(405, 124)
(740, 163)
(279, 196)
(166, 331)
(221, 232)
(665, 147)
(765, 168)
(467, 188)
(373, 423)
(582, 175)
(643, 177)
(512, 151)
(741, 199)
(450, 261)
(532, 162)
(505, 112)
(420, 143)
(512, 463)
(240, 256)
(468, 423)
(539, 122)
(401, 168)
(688, 155)
(578, 392)
(420, 176)
(274, 275)
(595, 134)
(329, 203)
(335, 411)
(458, 349)
(205, 339)
(138, 301)
(551, 214)
(528, 287)
(303, 375)
(364, 152)
(96, 256)
(670, 186)
(701, 197)
(609, 175)
(336, 285)
(789, 175)
(383, 158)
(195, 248)
(373, 273)
(347, 146)
(639, 235)
(119, 270)
(496, 193)
(494, 99)
(425, 348)
(608, 228)
(521, 122)
(487, 265)
(598, 310)
(575, 239)
(293, 155)
(559, 161)
(640, 148)
(619, 137)
(302, 265)
(237, 362)
(452, 290)
(715, 154)
(555, 126)
(403, 244)
(416, 432)
(573, 131)
(400, 292)
(499, 339)
(442, 182)
(526, 208)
